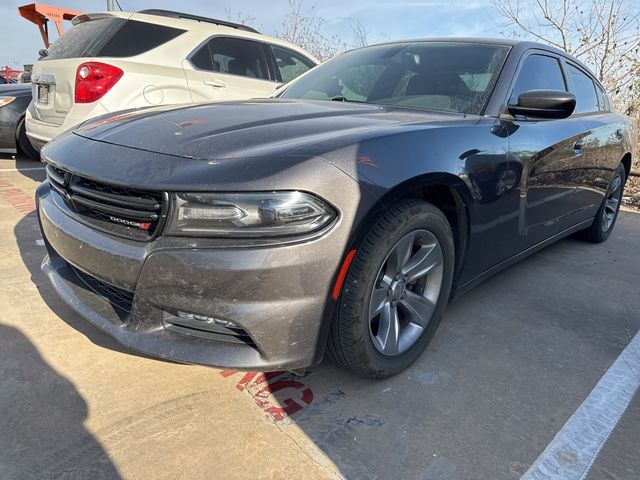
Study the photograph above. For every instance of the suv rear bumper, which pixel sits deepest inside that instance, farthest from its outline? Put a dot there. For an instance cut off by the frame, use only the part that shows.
(279, 296)
(40, 133)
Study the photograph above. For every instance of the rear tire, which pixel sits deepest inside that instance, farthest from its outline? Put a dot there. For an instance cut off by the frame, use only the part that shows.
(23, 143)
(607, 215)
(366, 337)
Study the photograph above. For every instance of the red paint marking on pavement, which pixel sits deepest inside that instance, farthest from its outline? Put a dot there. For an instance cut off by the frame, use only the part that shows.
(254, 384)
(15, 197)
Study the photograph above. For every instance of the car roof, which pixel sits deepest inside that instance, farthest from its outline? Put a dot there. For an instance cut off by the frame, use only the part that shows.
(513, 43)
(206, 28)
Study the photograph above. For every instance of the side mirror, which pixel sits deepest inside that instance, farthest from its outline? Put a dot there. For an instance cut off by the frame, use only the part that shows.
(544, 104)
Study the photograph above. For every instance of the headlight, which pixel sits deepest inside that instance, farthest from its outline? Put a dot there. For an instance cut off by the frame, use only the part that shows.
(6, 100)
(267, 214)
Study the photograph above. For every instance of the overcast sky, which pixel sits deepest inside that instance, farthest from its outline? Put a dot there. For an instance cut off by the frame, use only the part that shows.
(384, 20)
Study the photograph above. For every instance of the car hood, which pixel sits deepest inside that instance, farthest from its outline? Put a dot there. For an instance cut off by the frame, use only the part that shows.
(255, 128)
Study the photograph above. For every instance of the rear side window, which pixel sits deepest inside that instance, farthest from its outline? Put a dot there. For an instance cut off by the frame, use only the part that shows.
(602, 99)
(585, 91)
(539, 72)
(110, 37)
(235, 56)
(134, 38)
(290, 64)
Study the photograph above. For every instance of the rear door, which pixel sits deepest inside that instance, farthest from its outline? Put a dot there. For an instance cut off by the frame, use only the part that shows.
(53, 76)
(546, 152)
(230, 68)
(602, 146)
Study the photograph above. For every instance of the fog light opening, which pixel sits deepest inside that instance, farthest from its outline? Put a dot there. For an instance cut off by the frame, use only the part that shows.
(207, 320)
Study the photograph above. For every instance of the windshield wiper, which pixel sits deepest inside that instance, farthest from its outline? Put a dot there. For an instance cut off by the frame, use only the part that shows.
(340, 98)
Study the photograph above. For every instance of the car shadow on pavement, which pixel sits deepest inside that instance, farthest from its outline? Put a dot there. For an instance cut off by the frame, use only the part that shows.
(40, 439)
(502, 375)
(27, 167)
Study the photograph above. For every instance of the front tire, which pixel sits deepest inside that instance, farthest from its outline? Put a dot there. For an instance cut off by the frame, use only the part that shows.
(395, 291)
(607, 214)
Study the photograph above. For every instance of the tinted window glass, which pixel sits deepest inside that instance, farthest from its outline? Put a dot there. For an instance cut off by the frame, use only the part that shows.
(135, 38)
(202, 58)
(538, 72)
(586, 99)
(602, 98)
(110, 37)
(290, 64)
(84, 39)
(456, 77)
(239, 57)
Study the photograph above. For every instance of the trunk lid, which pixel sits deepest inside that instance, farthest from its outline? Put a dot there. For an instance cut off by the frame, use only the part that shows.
(52, 84)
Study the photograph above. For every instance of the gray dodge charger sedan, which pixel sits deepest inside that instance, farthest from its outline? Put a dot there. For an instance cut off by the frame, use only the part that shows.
(339, 217)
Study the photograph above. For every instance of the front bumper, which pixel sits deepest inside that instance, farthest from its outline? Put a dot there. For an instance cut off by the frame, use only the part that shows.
(279, 295)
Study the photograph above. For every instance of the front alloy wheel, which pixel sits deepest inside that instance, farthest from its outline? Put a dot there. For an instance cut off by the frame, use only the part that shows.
(395, 291)
(405, 293)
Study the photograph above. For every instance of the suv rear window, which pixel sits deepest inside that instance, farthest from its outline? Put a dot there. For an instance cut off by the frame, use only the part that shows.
(110, 37)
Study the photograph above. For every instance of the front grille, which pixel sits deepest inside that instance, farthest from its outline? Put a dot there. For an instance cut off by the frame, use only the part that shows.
(125, 212)
(118, 297)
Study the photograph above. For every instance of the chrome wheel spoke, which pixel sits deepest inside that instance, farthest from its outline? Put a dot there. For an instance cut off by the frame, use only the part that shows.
(399, 255)
(419, 308)
(615, 185)
(612, 205)
(378, 301)
(388, 330)
(422, 262)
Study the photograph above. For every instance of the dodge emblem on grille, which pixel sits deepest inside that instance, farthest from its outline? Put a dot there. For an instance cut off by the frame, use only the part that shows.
(131, 223)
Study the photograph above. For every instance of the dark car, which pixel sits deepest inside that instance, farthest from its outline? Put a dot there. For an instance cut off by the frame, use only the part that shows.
(14, 100)
(7, 80)
(341, 216)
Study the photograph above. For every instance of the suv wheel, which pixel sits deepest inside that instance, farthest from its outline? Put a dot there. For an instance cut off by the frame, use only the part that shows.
(395, 292)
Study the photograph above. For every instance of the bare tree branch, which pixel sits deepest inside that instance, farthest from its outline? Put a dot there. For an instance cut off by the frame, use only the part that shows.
(604, 34)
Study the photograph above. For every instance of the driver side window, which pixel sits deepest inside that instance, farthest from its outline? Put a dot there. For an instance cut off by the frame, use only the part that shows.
(538, 72)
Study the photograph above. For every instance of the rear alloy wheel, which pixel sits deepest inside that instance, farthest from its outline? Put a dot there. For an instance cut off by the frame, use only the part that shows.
(607, 215)
(395, 291)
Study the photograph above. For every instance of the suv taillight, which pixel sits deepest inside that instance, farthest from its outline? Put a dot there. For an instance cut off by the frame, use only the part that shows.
(94, 79)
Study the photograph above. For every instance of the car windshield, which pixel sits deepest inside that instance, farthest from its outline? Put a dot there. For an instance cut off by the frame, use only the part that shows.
(453, 77)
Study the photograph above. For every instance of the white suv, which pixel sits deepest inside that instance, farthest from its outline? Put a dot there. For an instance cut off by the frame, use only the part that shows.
(114, 61)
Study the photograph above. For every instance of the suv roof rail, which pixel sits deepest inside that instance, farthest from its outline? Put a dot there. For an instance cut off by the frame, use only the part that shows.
(197, 18)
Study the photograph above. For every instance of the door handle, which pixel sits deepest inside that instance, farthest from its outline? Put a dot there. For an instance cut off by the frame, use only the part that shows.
(578, 148)
(215, 83)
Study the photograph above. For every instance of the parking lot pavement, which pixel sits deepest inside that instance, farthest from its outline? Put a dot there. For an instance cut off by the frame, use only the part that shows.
(511, 363)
